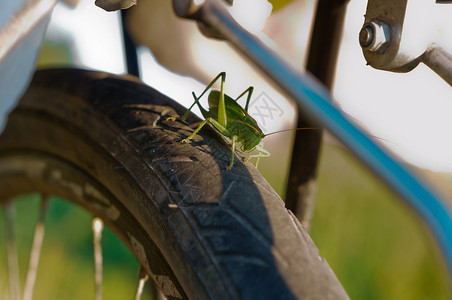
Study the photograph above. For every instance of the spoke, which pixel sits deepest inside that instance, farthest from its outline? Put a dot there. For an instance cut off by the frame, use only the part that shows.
(36, 250)
(11, 245)
(98, 226)
(143, 278)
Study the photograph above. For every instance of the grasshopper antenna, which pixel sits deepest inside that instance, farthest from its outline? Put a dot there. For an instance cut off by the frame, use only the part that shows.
(318, 128)
(293, 129)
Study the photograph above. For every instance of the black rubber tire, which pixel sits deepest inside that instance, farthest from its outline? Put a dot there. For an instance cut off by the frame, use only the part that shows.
(202, 232)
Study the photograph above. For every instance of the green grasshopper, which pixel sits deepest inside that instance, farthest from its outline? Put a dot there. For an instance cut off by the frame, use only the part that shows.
(231, 120)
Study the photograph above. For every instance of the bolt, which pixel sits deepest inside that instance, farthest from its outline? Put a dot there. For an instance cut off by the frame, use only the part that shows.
(366, 35)
(374, 35)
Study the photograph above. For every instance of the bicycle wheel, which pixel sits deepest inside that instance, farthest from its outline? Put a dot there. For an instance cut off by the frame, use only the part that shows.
(201, 232)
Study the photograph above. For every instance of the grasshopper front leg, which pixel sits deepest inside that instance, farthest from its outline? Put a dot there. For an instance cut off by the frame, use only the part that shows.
(261, 152)
(187, 139)
(222, 75)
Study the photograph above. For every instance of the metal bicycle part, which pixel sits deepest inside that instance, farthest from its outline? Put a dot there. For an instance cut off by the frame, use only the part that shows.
(397, 36)
(199, 231)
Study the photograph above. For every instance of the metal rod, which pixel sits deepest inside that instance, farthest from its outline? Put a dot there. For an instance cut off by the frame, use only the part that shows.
(440, 61)
(323, 52)
(131, 56)
(11, 245)
(316, 102)
(36, 250)
(140, 288)
(98, 226)
(143, 277)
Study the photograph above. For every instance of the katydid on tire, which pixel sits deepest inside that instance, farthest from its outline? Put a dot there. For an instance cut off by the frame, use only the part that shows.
(231, 120)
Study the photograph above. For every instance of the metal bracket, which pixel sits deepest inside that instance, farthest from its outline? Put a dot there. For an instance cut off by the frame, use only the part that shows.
(396, 37)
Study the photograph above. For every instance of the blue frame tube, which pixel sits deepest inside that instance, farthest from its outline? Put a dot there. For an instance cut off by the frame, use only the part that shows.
(316, 101)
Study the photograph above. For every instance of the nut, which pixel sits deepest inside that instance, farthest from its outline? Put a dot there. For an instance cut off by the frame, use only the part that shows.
(374, 36)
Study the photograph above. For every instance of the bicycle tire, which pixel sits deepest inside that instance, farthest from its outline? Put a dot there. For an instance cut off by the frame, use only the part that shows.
(103, 142)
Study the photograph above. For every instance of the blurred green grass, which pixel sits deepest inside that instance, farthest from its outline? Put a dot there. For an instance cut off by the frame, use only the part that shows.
(66, 269)
(376, 245)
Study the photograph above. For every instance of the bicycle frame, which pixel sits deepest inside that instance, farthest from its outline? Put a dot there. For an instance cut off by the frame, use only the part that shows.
(316, 102)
